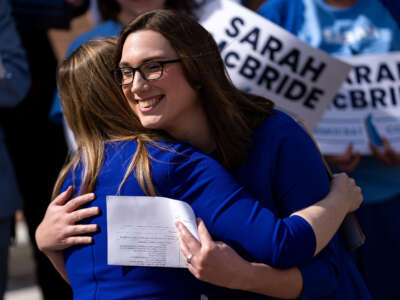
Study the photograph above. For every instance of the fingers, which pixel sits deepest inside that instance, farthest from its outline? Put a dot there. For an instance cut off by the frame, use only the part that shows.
(78, 240)
(353, 163)
(340, 176)
(83, 213)
(345, 162)
(386, 154)
(79, 201)
(76, 230)
(187, 238)
(349, 153)
(390, 153)
(63, 197)
(204, 235)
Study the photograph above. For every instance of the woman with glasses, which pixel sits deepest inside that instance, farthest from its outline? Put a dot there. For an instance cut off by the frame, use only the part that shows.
(174, 82)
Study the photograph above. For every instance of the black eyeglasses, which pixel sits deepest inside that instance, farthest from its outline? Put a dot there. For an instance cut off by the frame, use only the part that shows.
(151, 70)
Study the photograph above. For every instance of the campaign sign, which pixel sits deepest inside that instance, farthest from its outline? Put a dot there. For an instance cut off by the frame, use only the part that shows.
(366, 107)
(264, 59)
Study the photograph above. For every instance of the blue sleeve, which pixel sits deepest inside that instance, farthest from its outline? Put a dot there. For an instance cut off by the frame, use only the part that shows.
(301, 181)
(233, 216)
(288, 14)
(14, 77)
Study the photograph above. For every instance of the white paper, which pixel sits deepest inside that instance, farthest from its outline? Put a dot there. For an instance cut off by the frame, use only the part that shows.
(368, 101)
(291, 84)
(141, 231)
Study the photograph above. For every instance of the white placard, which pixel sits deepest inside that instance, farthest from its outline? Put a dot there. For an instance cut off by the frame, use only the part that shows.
(366, 107)
(141, 231)
(265, 59)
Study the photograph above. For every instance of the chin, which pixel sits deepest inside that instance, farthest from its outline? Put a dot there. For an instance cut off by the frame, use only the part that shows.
(151, 125)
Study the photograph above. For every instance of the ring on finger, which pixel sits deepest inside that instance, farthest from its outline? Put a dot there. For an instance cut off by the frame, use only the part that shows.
(189, 258)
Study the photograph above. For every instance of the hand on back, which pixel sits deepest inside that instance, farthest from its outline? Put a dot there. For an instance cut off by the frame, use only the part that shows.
(59, 229)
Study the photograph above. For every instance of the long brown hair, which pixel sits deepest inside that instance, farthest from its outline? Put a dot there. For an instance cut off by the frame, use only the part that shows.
(97, 112)
(232, 114)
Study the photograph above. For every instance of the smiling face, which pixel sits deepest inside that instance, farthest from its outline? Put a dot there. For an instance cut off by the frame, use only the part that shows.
(168, 103)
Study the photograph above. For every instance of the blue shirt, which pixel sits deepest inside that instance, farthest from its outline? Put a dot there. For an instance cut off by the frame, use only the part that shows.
(14, 84)
(108, 28)
(285, 166)
(368, 27)
(229, 212)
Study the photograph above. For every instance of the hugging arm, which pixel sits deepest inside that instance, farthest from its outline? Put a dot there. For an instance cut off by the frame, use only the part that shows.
(217, 263)
(234, 217)
(59, 229)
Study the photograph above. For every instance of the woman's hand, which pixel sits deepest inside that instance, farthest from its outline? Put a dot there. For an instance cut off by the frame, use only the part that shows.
(346, 162)
(345, 190)
(58, 229)
(219, 264)
(213, 262)
(387, 155)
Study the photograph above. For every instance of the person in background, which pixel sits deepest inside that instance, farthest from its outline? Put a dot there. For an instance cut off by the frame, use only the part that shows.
(260, 162)
(114, 14)
(14, 84)
(37, 146)
(334, 26)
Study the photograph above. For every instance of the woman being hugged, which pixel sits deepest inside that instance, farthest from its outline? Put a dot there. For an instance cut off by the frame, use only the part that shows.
(176, 88)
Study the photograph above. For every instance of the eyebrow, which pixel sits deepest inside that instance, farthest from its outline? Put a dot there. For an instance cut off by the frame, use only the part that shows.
(126, 64)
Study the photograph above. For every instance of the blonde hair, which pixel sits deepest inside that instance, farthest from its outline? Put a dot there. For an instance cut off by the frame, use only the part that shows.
(97, 112)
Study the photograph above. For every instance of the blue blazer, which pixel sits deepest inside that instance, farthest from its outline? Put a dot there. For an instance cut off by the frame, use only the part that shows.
(14, 84)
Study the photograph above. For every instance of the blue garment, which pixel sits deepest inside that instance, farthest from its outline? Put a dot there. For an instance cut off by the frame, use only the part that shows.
(228, 211)
(365, 28)
(14, 84)
(279, 168)
(370, 26)
(108, 28)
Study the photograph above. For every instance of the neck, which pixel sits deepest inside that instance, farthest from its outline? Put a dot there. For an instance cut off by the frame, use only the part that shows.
(194, 130)
(341, 3)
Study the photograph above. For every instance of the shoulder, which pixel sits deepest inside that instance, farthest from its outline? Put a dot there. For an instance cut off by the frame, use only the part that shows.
(108, 28)
(183, 154)
(279, 125)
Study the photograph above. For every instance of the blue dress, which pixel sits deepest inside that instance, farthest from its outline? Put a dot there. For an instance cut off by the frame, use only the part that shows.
(229, 212)
(282, 166)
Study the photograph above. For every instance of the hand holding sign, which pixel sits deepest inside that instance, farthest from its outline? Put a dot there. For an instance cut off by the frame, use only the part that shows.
(346, 162)
(386, 154)
(366, 107)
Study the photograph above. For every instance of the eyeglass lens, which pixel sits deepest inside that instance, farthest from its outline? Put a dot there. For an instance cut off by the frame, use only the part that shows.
(149, 71)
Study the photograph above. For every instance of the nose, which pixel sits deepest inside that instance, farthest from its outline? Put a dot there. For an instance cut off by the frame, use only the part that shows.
(138, 83)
